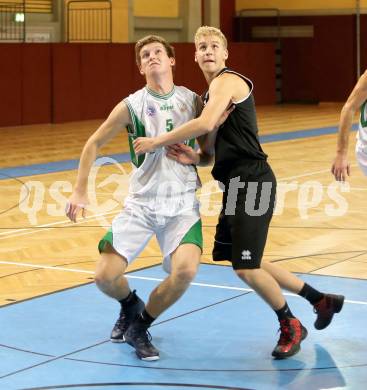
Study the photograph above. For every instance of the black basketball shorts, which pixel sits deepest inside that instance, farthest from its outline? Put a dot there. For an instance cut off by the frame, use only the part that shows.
(248, 204)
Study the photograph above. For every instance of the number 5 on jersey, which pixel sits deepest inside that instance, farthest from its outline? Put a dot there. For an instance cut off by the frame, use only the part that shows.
(169, 124)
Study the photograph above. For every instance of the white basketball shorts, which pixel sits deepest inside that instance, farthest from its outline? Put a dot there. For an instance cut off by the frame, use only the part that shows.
(136, 224)
(361, 155)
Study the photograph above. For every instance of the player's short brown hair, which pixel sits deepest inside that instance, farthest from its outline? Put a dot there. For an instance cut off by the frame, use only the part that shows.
(151, 39)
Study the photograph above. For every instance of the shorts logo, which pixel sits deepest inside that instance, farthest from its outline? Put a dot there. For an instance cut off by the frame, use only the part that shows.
(151, 111)
(246, 255)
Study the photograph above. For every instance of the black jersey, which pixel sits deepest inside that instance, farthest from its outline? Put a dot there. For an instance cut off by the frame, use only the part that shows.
(237, 139)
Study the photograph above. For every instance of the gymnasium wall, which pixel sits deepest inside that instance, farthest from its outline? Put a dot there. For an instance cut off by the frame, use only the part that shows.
(300, 5)
(52, 83)
(156, 8)
(120, 14)
(320, 67)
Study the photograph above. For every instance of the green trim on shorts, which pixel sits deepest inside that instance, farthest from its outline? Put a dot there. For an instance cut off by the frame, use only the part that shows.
(363, 120)
(194, 235)
(107, 239)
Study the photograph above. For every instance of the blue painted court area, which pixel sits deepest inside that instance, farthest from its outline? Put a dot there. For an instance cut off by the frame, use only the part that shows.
(219, 335)
(60, 166)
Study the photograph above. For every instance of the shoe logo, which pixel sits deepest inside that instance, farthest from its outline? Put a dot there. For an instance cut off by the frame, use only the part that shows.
(246, 255)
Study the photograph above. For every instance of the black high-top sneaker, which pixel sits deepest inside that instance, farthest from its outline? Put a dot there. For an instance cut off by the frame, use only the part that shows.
(326, 308)
(127, 316)
(137, 336)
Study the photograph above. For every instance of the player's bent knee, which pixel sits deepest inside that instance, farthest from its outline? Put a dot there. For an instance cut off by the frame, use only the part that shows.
(185, 274)
(101, 277)
(245, 273)
(109, 268)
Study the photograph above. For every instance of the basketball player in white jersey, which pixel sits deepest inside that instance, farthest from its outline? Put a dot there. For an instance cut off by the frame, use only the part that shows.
(161, 200)
(357, 100)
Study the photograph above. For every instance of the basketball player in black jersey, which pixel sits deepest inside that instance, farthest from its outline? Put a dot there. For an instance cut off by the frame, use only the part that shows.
(250, 187)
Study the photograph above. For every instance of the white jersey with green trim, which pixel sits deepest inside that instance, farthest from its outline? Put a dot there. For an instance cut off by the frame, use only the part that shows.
(362, 130)
(168, 186)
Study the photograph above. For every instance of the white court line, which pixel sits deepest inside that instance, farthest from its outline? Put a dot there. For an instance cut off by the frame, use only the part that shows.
(37, 228)
(305, 174)
(62, 222)
(311, 173)
(153, 279)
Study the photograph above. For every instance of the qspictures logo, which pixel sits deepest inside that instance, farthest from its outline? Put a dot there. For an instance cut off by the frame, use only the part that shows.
(308, 199)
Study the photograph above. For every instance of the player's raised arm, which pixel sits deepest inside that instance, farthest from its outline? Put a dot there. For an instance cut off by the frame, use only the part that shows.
(341, 167)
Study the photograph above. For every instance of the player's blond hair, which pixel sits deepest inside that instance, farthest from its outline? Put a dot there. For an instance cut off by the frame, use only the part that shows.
(208, 30)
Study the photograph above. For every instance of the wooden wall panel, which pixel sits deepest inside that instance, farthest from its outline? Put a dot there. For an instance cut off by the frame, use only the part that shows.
(36, 91)
(318, 68)
(257, 62)
(187, 72)
(94, 80)
(60, 82)
(10, 84)
(66, 78)
(334, 55)
(227, 13)
(120, 66)
(363, 43)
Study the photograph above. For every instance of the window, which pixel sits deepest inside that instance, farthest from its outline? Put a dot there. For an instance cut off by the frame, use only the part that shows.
(38, 6)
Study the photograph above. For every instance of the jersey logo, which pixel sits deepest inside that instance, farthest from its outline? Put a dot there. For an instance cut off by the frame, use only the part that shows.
(246, 255)
(151, 111)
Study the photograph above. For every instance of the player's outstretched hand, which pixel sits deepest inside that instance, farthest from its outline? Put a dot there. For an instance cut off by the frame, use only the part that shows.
(183, 154)
(76, 203)
(340, 168)
(143, 145)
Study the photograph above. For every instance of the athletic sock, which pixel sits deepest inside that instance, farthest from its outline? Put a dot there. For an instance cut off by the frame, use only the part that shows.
(313, 296)
(144, 319)
(129, 300)
(284, 312)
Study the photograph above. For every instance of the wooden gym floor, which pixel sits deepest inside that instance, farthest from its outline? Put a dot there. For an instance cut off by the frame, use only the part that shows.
(319, 227)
